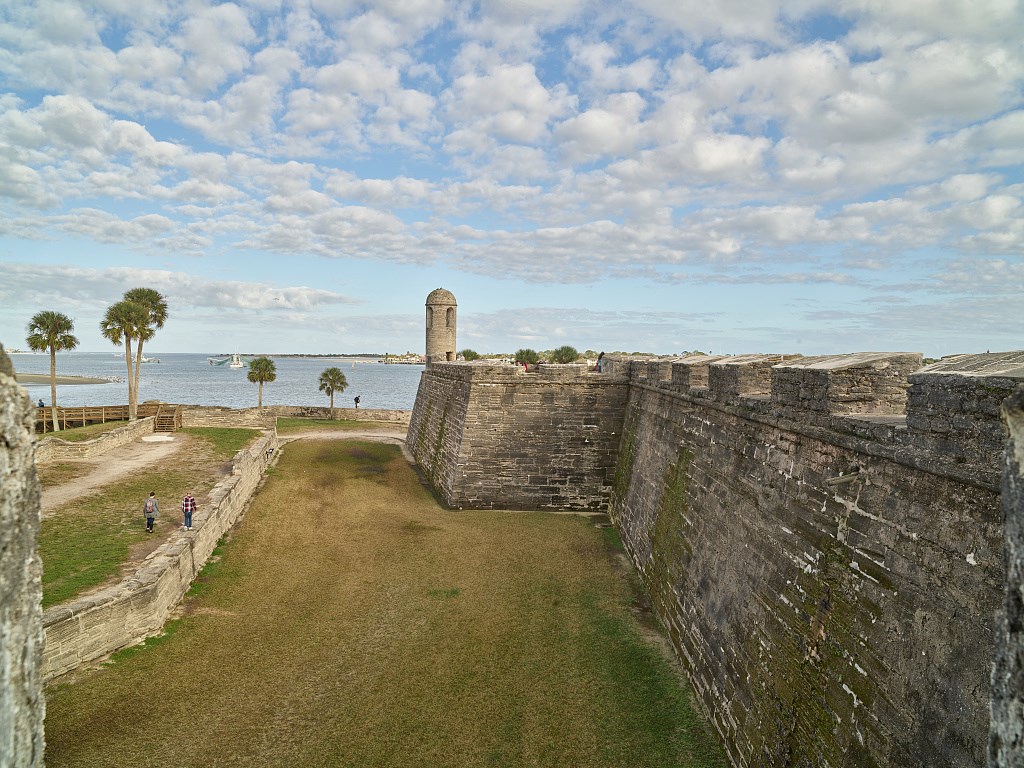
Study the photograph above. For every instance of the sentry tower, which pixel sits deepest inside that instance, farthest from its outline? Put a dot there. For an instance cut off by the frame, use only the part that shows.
(440, 326)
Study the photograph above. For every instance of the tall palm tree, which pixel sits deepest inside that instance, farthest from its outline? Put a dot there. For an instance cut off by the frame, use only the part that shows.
(262, 371)
(50, 330)
(121, 323)
(156, 315)
(333, 380)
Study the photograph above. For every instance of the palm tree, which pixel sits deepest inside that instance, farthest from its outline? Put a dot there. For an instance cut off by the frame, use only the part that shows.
(262, 370)
(333, 380)
(50, 330)
(121, 323)
(136, 317)
(156, 315)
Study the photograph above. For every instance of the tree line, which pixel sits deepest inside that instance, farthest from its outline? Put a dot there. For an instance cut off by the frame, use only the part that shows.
(130, 323)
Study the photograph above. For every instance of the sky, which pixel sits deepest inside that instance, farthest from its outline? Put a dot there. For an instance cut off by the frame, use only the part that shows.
(624, 175)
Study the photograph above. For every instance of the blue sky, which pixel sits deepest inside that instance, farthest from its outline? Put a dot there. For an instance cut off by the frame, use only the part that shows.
(656, 175)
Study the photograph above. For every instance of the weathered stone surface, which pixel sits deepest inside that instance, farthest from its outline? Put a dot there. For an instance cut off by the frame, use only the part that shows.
(1006, 748)
(492, 436)
(22, 706)
(867, 383)
(827, 568)
(953, 408)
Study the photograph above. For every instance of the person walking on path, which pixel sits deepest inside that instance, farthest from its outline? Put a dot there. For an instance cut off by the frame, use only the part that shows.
(188, 506)
(151, 509)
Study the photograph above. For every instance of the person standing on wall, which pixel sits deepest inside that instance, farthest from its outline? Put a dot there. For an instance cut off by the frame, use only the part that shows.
(188, 507)
(357, 401)
(151, 509)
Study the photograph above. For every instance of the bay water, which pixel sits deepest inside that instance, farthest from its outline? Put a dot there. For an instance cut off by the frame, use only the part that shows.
(190, 379)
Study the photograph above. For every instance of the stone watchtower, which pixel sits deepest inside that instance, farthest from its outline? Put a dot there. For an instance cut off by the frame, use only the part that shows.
(440, 326)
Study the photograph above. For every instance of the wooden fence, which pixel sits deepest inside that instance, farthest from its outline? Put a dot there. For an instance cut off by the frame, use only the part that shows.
(168, 416)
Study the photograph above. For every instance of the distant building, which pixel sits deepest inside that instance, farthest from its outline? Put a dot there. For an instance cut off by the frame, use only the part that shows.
(440, 323)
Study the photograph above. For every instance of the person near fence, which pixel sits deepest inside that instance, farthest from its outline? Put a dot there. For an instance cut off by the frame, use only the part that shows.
(151, 508)
(188, 506)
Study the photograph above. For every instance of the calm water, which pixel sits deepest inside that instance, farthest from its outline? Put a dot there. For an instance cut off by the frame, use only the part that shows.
(190, 379)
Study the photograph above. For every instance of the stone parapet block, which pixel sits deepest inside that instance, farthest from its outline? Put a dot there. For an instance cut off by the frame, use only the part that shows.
(954, 406)
(870, 383)
(561, 372)
(691, 372)
(747, 375)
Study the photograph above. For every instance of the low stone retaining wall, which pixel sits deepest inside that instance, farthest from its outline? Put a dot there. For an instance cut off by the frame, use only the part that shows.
(55, 449)
(93, 626)
(216, 416)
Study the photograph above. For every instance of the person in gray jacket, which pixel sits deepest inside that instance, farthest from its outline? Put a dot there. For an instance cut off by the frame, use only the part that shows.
(151, 509)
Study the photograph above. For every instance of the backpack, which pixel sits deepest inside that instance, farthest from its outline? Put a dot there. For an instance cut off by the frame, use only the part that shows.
(150, 506)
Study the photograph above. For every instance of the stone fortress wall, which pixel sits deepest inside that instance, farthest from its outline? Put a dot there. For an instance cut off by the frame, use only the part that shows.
(22, 706)
(821, 537)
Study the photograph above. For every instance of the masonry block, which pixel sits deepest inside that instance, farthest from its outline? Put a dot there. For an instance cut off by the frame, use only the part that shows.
(869, 383)
(729, 378)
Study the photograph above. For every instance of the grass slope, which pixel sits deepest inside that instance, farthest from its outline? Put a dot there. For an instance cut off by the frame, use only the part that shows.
(85, 543)
(353, 622)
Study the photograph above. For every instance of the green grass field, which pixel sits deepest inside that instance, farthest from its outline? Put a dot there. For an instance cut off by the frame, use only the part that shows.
(88, 432)
(351, 621)
(84, 544)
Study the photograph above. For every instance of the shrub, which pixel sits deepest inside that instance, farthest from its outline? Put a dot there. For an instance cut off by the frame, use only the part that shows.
(528, 356)
(565, 354)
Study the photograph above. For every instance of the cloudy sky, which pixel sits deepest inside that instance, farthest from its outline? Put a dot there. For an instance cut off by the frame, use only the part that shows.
(658, 175)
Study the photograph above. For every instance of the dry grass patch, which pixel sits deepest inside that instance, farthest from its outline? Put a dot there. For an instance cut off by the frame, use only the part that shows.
(52, 475)
(88, 432)
(353, 622)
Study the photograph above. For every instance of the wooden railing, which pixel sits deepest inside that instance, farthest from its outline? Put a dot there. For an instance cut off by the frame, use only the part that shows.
(170, 416)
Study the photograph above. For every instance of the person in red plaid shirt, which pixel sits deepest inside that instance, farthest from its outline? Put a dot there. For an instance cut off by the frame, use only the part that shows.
(188, 506)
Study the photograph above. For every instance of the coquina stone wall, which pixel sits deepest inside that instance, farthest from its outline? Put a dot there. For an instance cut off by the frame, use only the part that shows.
(1006, 749)
(821, 537)
(493, 436)
(216, 416)
(89, 628)
(54, 449)
(22, 706)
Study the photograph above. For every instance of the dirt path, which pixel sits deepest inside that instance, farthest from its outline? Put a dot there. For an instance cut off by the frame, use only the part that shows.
(111, 467)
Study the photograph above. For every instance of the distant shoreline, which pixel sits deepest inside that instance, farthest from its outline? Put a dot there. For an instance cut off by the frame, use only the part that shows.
(44, 378)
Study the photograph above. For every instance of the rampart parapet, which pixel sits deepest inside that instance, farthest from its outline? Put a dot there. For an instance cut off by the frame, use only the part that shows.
(953, 407)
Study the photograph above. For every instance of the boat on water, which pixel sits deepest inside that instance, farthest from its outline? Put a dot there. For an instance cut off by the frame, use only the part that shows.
(150, 359)
(232, 361)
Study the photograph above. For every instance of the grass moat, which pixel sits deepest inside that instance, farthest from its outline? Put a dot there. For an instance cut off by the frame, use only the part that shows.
(351, 621)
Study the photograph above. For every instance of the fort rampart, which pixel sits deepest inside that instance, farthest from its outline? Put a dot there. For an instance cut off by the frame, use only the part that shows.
(90, 627)
(22, 706)
(821, 537)
(493, 436)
